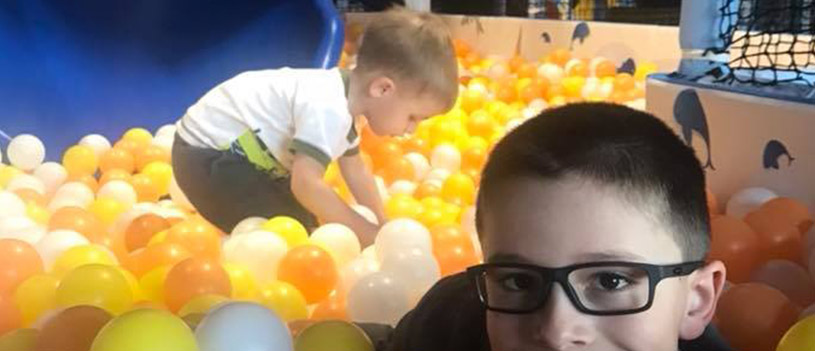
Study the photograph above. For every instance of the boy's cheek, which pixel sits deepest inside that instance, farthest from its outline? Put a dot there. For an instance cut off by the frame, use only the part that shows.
(504, 331)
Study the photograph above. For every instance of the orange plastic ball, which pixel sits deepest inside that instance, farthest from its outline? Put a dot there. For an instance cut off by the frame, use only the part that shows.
(117, 158)
(149, 154)
(790, 210)
(163, 254)
(31, 196)
(427, 189)
(579, 69)
(146, 189)
(398, 169)
(142, 229)
(527, 70)
(115, 174)
(474, 157)
(461, 47)
(754, 316)
(86, 179)
(79, 220)
(199, 237)
(385, 152)
(605, 69)
(455, 259)
(737, 245)
(624, 82)
(10, 316)
(195, 277)
(128, 145)
(417, 145)
(332, 308)
(559, 57)
(481, 124)
(472, 100)
(515, 63)
(778, 239)
(18, 261)
(311, 270)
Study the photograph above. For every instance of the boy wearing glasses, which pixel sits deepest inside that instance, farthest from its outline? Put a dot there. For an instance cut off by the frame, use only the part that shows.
(595, 228)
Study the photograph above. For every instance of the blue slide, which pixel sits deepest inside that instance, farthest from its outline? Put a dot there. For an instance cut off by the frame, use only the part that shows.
(71, 68)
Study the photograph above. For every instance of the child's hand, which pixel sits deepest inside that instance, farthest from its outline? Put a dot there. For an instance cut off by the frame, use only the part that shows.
(315, 195)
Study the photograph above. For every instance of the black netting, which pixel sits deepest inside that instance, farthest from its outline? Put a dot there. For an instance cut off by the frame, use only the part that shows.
(769, 41)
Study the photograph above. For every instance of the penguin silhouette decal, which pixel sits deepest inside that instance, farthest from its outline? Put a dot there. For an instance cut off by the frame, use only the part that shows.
(546, 37)
(690, 115)
(629, 66)
(581, 32)
(773, 152)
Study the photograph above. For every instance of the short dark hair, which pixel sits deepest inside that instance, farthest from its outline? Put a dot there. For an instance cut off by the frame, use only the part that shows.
(613, 145)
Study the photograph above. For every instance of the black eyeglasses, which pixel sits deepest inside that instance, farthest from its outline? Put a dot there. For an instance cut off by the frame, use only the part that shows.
(600, 288)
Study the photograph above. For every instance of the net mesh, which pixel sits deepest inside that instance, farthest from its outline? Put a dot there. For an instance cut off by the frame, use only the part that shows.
(769, 41)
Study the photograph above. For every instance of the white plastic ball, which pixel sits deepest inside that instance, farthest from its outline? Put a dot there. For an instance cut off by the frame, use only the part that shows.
(26, 152)
(56, 242)
(11, 205)
(164, 141)
(421, 166)
(355, 270)
(248, 224)
(259, 251)
(446, 156)
(9, 225)
(52, 175)
(748, 200)
(416, 268)
(378, 298)
(120, 191)
(404, 187)
(26, 181)
(99, 144)
(552, 72)
(370, 253)
(605, 90)
(590, 88)
(438, 175)
(339, 240)
(401, 234)
(167, 129)
(74, 192)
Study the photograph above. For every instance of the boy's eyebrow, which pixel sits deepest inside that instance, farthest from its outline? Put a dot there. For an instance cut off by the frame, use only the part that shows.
(611, 255)
(508, 258)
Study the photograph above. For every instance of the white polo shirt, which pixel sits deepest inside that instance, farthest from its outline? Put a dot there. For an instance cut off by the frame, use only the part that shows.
(288, 110)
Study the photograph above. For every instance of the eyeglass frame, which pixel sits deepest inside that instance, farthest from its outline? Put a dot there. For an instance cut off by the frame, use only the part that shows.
(656, 273)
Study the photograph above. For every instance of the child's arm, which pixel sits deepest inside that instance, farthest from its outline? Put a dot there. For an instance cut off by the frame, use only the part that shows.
(362, 185)
(310, 190)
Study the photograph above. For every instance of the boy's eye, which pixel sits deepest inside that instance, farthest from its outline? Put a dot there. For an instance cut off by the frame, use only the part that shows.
(609, 281)
(518, 282)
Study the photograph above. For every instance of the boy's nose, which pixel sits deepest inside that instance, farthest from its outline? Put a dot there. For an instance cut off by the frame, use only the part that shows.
(559, 325)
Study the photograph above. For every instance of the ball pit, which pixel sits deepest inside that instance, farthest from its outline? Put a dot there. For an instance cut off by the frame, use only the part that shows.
(107, 230)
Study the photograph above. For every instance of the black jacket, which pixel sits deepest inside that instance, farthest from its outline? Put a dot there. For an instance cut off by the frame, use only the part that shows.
(450, 317)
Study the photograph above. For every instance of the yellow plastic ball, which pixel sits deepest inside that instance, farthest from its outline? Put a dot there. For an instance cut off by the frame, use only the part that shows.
(133, 283)
(644, 69)
(143, 330)
(107, 209)
(152, 284)
(96, 285)
(201, 304)
(80, 161)
(37, 213)
(459, 189)
(289, 229)
(403, 206)
(161, 173)
(283, 298)
(140, 136)
(800, 337)
(82, 255)
(244, 286)
(35, 296)
(7, 173)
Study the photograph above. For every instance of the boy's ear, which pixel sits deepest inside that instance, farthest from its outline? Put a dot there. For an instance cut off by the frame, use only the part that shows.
(381, 86)
(706, 285)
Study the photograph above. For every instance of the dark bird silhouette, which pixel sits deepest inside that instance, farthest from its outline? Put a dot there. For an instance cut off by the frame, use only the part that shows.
(581, 32)
(629, 66)
(546, 37)
(689, 113)
(773, 152)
